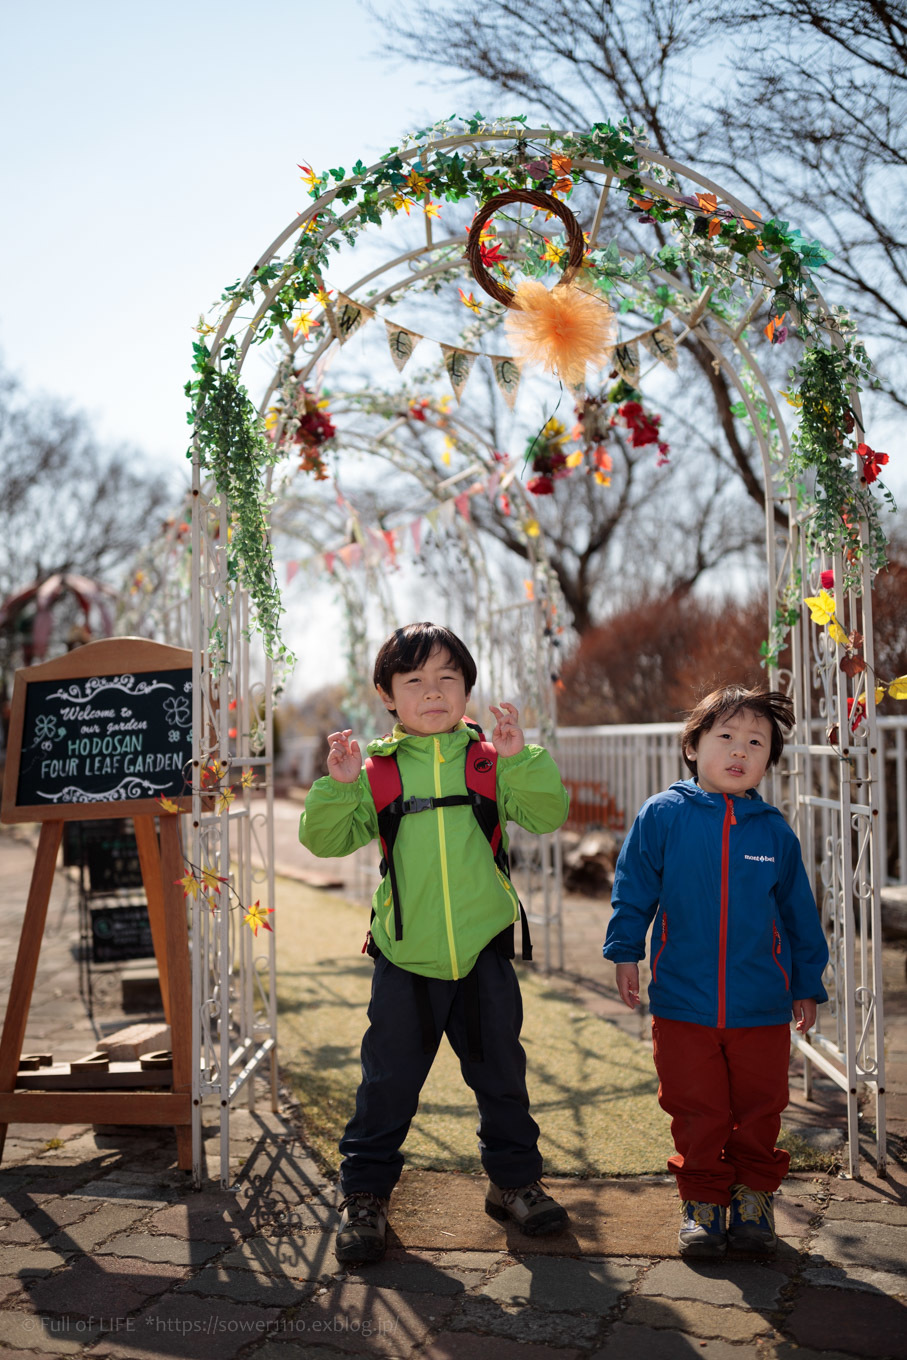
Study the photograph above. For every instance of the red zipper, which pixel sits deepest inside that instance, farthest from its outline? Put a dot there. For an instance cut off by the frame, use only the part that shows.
(729, 821)
(664, 941)
(776, 953)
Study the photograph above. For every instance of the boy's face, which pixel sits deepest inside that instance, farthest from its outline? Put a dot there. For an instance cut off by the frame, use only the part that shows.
(429, 700)
(733, 755)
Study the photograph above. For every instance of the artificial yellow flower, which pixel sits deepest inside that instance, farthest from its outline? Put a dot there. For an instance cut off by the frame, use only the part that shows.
(533, 530)
(898, 688)
(309, 178)
(574, 459)
(248, 779)
(211, 880)
(189, 883)
(432, 209)
(552, 254)
(168, 804)
(837, 632)
(418, 183)
(225, 799)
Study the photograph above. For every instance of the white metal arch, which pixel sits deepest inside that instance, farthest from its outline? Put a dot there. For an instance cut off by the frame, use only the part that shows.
(832, 796)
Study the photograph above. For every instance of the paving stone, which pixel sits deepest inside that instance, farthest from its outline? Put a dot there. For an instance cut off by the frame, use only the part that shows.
(856, 1323)
(153, 1247)
(560, 1285)
(845, 1242)
(421, 1277)
(210, 1217)
(697, 1319)
(44, 1220)
(181, 1327)
(299, 1258)
(469, 1346)
(721, 1282)
(626, 1341)
(133, 1191)
(101, 1222)
(16, 1260)
(477, 1314)
(103, 1285)
(857, 1277)
(53, 1336)
(246, 1286)
(893, 1214)
(481, 1261)
(346, 1315)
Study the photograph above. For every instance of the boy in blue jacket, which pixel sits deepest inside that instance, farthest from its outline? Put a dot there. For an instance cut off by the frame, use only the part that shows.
(737, 948)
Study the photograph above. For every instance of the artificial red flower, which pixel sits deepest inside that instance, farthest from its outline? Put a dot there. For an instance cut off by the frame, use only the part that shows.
(856, 713)
(490, 255)
(827, 580)
(541, 486)
(872, 462)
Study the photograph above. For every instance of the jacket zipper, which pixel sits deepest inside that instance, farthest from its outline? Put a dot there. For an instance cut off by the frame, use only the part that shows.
(442, 847)
(729, 821)
(664, 941)
(776, 954)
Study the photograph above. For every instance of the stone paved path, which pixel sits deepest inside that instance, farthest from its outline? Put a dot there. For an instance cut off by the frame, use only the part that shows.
(106, 1252)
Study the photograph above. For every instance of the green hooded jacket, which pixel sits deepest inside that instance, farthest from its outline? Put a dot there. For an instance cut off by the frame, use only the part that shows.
(453, 897)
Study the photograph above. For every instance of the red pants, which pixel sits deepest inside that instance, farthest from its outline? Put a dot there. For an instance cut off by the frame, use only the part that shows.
(725, 1090)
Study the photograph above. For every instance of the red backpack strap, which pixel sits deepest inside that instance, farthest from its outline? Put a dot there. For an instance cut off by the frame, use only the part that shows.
(384, 780)
(481, 779)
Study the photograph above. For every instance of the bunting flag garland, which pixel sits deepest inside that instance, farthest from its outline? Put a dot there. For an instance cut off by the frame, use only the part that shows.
(402, 342)
(349, 316)
(626, 361)
(458, 365)
(462, 504)
(660, 344)
(507, 376)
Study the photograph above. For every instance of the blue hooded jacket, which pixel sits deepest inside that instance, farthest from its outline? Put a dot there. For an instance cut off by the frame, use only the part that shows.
(737, 937)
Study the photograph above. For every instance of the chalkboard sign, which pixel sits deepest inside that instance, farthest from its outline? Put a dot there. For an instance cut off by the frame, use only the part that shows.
(113, 863)
(107, 725)
(120, 933)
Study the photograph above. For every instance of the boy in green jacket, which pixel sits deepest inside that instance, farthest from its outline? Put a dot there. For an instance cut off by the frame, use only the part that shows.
(441, 932)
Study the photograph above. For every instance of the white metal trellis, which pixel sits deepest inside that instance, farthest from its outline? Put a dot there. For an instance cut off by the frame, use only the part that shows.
(235, 1030)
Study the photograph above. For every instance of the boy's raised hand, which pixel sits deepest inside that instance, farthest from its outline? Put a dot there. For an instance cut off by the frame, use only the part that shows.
(344, 757)
(507, 737)
(627, 978)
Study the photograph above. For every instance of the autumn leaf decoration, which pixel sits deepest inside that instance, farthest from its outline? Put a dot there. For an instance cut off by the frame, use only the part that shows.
(822, 612)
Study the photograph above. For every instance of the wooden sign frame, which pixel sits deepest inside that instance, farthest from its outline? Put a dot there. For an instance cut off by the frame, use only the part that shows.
(162, 866)
(109, 656)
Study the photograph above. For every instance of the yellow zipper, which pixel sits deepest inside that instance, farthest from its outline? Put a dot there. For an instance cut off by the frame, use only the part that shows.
(442, 847)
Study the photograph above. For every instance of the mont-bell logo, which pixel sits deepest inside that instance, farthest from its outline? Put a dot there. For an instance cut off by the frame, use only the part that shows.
(761, 859)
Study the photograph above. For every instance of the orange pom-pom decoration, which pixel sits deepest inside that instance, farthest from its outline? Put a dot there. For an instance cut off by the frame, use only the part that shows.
(562, 329)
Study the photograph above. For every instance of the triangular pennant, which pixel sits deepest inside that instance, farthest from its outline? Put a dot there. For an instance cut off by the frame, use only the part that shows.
(390, 538)
(626, 360)
(329, 562)
(447, 511)
(462, 504)
(416, 531)
(349, 316)
(507, 376)
(402, 343)
(660, 343)
(433, 517)
(350, 554)
(292, 568)
(458, 363)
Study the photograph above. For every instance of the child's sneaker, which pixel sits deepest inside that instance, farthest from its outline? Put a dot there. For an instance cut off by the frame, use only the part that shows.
(752, 1221)
(529, 1206)
(363, 1228)
(702, 1232)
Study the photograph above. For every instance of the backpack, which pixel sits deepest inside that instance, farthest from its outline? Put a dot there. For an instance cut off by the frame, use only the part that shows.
(386, 786)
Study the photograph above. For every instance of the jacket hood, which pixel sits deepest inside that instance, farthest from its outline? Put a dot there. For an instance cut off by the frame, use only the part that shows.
(746, 804)
(388, 745)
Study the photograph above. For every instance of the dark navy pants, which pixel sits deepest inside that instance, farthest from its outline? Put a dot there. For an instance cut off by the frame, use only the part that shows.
(395, 1068)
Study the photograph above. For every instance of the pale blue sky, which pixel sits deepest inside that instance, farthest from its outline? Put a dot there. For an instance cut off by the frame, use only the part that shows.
(150, 154)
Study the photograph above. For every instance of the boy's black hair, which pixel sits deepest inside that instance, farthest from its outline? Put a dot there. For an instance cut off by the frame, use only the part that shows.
(727, 701)
(409, 648)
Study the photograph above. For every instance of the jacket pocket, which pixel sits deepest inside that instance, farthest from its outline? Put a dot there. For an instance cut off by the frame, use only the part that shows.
(664, 941)
(511, 892)
(776, 954)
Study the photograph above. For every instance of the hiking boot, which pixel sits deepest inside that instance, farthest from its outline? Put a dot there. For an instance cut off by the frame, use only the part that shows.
(752, 1221)
(530, 1208)
(702, 1232)
(363, 1228)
